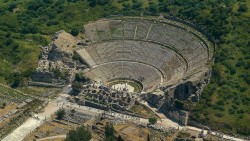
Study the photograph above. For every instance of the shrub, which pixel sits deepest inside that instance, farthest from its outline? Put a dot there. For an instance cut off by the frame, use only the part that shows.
(3, 105)
(60, 114)
(231, 111)
(120, 138)
(109, 132)
(179, 104)
(220, 102)
(152, 120)
(240, 63)
(74, 31)
(77, 87)
(219, 114)
(80, 134)
(52, 22)
(242, 7)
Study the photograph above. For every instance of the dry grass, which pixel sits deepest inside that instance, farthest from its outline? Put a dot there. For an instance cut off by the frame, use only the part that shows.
(7, 109)
(143, 111)
(49, 129)
(132, 132)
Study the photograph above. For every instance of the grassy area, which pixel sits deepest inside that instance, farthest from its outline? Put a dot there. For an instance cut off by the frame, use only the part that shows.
(40, 91)
(143, 111)
(8, 95)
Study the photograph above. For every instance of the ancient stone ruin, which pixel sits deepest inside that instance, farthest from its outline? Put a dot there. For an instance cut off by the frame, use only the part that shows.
(161, 54)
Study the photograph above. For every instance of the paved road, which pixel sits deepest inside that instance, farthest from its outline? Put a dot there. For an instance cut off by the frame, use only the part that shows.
(22, 131)
(32, 123)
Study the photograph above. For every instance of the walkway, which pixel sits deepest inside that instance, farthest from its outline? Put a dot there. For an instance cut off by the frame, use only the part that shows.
(52, 137)
(32, 123)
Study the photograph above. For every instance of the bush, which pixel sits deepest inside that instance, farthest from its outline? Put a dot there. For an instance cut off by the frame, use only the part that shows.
(231, 111)
(243, 130)
(120, 138)
(12, 6)
(52, 22)
(109, 132)
(80, 78)
(3, 105)
(74, 31)
(16, 80)
(219, 114)
(220, 102)
(80, 134)
(232, 71)
(152, 120)
(234, 106)
(60, 114)
(242, 7)
(77, 87)
(240, 63)
(178, 104)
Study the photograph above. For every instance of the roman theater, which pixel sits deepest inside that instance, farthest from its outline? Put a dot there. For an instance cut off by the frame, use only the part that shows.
(160, 59)
(154, 53)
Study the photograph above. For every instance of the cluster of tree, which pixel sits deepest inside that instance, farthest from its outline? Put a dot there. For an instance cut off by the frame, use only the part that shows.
(77, 57)
(79, 134)
(76, 88)
(81, 78)
(82, 134)
(78, 83)
(93, 3)
(110, 133)
(61, 74)
(3, 105)
(152, 120)
(60, 114)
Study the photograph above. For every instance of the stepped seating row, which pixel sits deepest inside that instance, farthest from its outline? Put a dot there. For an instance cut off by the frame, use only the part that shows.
(152, 54)
(122, 49)
(180, 39)
(127, 70)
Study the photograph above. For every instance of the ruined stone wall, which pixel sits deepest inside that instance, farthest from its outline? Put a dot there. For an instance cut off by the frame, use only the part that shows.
(57, 56)
(175, 114)
(94, 105)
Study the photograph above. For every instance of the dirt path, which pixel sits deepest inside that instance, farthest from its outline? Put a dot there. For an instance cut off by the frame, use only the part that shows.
(52, 137)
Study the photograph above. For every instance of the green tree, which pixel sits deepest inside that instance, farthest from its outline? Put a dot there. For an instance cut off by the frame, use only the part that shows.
(80, 134)
(120, 138)
(109, 132)
(16, 80)
(152, 120)
(81, 78)
(77, 87)
(178, 104)
(74, 31)
(60, 114)
(12, 6)
(242, 7)
(3, 105)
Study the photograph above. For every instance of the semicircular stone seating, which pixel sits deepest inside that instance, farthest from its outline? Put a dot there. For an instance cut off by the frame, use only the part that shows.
(153, 52)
